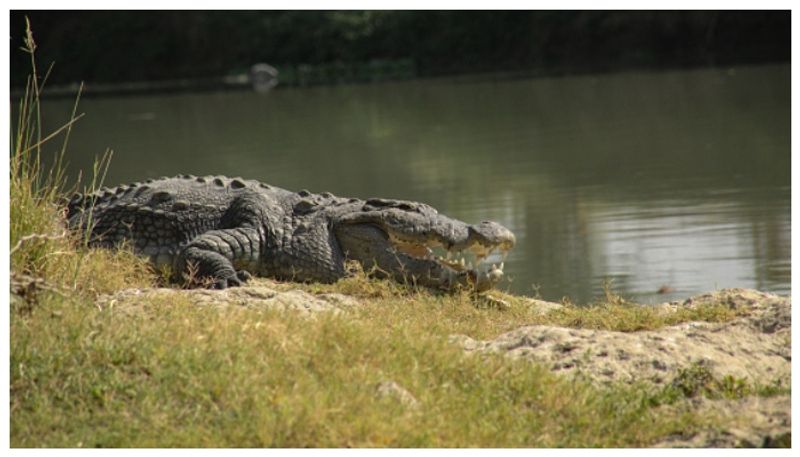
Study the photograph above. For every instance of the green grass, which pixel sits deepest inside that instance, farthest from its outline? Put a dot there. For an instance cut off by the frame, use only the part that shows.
(41, 248)
(180, 375)
(463, 313)
(176, 374)
(697, 380)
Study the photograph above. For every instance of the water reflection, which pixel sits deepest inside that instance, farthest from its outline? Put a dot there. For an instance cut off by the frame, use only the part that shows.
(678, 179)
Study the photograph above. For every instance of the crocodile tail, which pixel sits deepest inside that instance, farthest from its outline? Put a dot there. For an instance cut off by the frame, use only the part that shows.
(77, 205)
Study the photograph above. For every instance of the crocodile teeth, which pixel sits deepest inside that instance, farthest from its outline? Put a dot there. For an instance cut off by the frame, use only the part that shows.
(495, 274)
(472, 259)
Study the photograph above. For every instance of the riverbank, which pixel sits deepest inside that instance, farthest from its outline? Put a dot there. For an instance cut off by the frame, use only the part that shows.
(371, 363)
(291, 76)
(173, 45)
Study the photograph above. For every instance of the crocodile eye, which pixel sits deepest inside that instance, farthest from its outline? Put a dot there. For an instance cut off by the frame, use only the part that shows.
(378, 202)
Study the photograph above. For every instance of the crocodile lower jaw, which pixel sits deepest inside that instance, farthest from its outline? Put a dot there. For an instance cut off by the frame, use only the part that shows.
(472, 260)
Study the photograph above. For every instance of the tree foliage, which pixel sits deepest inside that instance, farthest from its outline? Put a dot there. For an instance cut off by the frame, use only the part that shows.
(117, 46)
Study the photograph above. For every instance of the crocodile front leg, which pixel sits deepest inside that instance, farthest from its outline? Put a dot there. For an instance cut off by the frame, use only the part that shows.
(224, 256)
(228, 254)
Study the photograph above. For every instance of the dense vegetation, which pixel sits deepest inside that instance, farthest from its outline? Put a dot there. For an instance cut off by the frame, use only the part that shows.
(119, 46)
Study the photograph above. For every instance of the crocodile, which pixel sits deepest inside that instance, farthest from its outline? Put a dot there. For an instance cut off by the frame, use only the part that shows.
(226, 230)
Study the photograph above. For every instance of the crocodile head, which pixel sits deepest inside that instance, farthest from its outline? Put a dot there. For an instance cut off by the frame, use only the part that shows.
(412, 241)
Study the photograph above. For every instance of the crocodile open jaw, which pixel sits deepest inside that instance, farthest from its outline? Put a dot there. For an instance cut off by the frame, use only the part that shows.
(483, 264)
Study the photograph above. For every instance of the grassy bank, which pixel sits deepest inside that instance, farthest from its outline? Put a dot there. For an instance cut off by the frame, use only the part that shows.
(177, 374)
(181, 375)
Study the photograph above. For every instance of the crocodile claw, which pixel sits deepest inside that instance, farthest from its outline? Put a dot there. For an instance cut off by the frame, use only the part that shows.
(236, 280)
